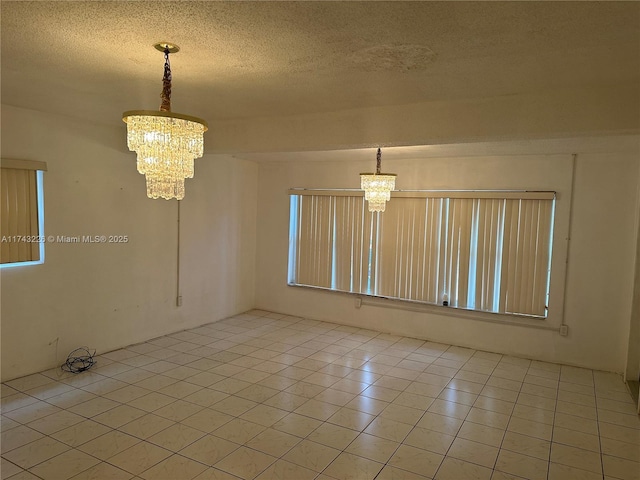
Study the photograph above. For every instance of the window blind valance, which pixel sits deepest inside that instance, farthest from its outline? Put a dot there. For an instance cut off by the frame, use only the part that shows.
(497, 194)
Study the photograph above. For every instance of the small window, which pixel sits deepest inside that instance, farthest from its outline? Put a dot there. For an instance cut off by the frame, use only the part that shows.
(478, 250)
(22, 213)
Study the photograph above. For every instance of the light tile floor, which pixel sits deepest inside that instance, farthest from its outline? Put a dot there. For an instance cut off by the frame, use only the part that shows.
(267, 396)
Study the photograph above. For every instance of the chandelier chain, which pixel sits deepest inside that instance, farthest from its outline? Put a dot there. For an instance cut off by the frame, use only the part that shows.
(378, 162)
(166, 84)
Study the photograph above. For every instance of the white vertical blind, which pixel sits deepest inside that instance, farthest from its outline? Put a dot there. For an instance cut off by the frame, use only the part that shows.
(351, 241)
(315, 240)
(19, 213)
(489, 221)
(458, 250)
(525, 256)
(410, 259)
(490, 253)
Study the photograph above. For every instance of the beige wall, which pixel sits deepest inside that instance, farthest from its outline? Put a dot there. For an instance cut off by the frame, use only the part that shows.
(234, 248)
(600, 273)
(561, 113)
(106, 296)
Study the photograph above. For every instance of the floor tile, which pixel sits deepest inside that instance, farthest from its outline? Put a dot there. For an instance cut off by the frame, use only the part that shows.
(298, 425)
(424, 390)
(7, 424)
(564, 472)
(238, 431)
(493, 404)
(209, 450)
(283, 470)
(35, 452)
(454, 469)
(8, 469)
(521, 465)
(217, 401)
(80, 433)
(584, 411)
(576, 457)
(304, 389)
(31, 412)
(146, 426)
(576, 439)
(178, 410)
(429, 440)
(17, 437)
(473, 452)
(273, 442)
(481, 433)
(416, 460)
(367, 405)
(103, 471)
(174, 467)
(24, 475)
(497, 475)
(372, 447)
(390, 429)
(318, 410)
(311, 455)
(94, 407)
(234, 406)
(264, 415)
(620, 468)
(205, 397)
(440, 423)
(55, 422)
(458, 396)
(333, 436)
(352, 419)
(403, 414)
(109, 444)
(151, 402)
(65, 465)
(393, 473)
(126, 394)
(139, 458)
(538, 415)
(614, 448)
(526, 445)
(449, 409)
(351, 467)
(207, 420)
(15, 401)
(530, 428)
(118, 416)
(488, 418)
(620, 433)
(578, 424)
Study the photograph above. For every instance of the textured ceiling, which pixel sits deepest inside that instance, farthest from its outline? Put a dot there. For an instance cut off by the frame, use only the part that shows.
(94, 60)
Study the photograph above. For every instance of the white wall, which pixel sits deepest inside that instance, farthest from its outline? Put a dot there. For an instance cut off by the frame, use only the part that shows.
(600, 273)
(106, 296)
(561, 113)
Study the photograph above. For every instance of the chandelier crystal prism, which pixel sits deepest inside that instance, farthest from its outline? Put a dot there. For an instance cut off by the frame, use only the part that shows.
(166, 143)
(377, 186)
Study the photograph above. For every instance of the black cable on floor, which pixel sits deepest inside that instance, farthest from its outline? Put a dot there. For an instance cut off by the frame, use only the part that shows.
(79, 360)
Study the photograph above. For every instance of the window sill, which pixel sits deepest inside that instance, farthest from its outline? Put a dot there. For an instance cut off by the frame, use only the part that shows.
(413, 306)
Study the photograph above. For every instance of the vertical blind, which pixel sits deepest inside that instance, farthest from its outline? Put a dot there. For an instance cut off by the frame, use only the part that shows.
(488, 251)
(19, 211)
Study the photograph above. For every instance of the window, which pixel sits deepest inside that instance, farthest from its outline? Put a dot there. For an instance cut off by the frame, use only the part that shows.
(21, 208)
(486, 251)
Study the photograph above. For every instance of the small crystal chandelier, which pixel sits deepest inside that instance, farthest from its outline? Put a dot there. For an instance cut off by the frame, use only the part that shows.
(377, 186)
(166, 142)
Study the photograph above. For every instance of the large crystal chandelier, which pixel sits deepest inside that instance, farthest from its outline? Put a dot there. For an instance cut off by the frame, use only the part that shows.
(166, 142)
(377, 186)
